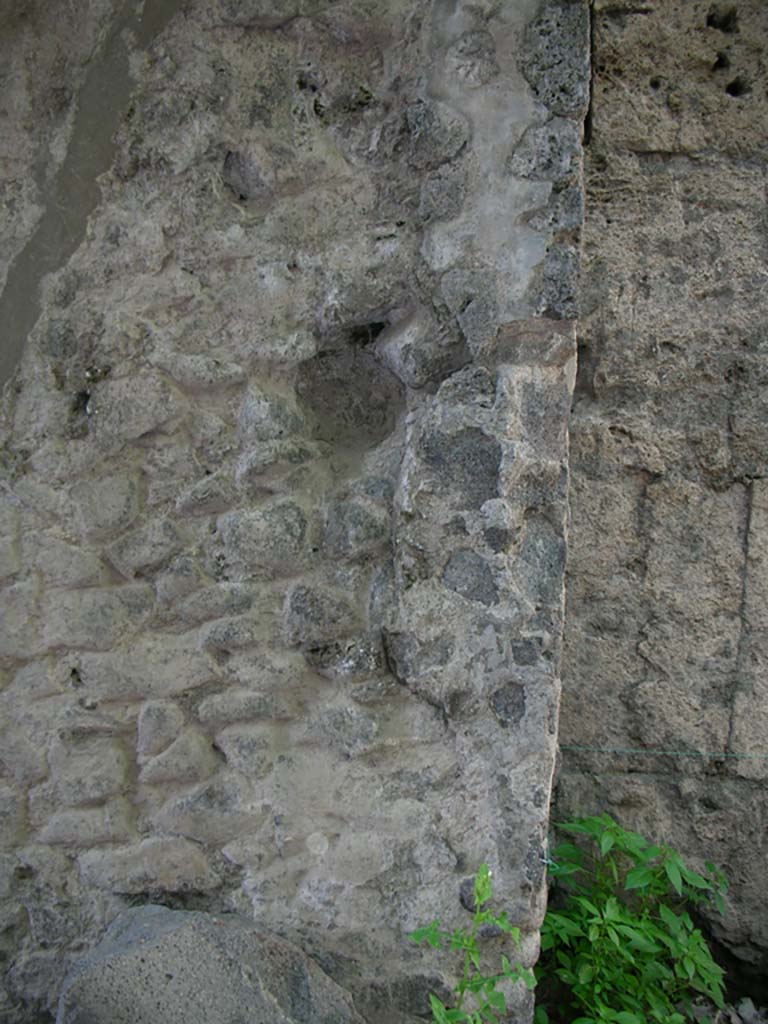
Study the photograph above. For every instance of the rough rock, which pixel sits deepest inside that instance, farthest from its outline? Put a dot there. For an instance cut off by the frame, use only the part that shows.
(156, 965)
(665, 641)
(299, 396)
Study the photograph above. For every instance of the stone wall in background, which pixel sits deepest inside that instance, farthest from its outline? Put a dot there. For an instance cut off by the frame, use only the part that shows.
(283, 509)
(667, 639)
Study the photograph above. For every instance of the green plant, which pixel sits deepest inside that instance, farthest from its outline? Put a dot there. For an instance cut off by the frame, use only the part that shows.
(482, 987)
(618, 943)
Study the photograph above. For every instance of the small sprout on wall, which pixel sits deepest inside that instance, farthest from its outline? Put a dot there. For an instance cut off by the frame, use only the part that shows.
(488, 1004)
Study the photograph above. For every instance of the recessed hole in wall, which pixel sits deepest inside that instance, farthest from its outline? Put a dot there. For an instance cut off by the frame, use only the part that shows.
(738, 87)
(80, 402)
(655, 83)
(725, 19)
(364, 334)
(354, 400)
(721, 62)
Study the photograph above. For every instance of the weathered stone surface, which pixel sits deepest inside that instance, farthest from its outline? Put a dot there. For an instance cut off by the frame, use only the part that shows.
(306, 379)
(155, 666)
(468, 574)
(315, 615)
(663, 633)
(153, 865)
(108, 504)
(160, 722)
(12, 818)
(556, 55)
(157, 965)
(189, 758)
(146, 548)
(267, 416)
(90, 826)
(231, 634)
(356, 528)
(62, 564)
(269, 540)
(213, 493)
(94, 618)
(88, 769)
(240, 705)
(19, 623)
(214, 812)
(416, 347)
(124, 410)
(247, 748)
(200, 372)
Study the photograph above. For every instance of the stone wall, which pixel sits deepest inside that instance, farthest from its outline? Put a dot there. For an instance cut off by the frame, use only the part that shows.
(283, 515)
(666, 642)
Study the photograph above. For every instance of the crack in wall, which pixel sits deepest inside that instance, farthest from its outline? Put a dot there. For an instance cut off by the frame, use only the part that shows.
(744, 629)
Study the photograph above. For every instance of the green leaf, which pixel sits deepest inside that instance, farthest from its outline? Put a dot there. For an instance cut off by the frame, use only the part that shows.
(430, 934)
(606, 842)
(439, 1012)
(673, 874)
(540, 1016)
(639, 878)
(529, 980)
(586, 973)
(482, 885)
(497, 1001)
(670, 919)
(628, 1018)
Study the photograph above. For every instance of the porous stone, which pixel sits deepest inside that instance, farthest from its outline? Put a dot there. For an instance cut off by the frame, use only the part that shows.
(355, 528)
(214, 812)
(12, 818)
(89, 826)
(269, 540)
(123, 410)
(239, 705)
(469, 575)
(157, 864)
(19, 624)
(466, 463)
(417, 348)
(231, 634)
(153, 666)
(145, 548)
(62, 564)
(157, 965)
(189, 758)
(555, 56)
(551, 151)
(267, 416)
(266, 461)
(94, 618)
(213, 493)
(437, 133)
(88, 769)
(298, 332)
(213, 602)
(315, 615)
(247, 748)
(200, 371)
(159, 723)
(108, 504)
(10, 556)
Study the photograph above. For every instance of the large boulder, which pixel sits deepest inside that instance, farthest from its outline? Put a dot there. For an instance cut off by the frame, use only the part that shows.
(160, 966)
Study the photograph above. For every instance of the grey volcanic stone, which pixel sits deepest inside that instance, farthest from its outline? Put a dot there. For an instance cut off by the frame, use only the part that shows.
(556, 56)
(159, 966)
(467, 461)
(468, 574)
